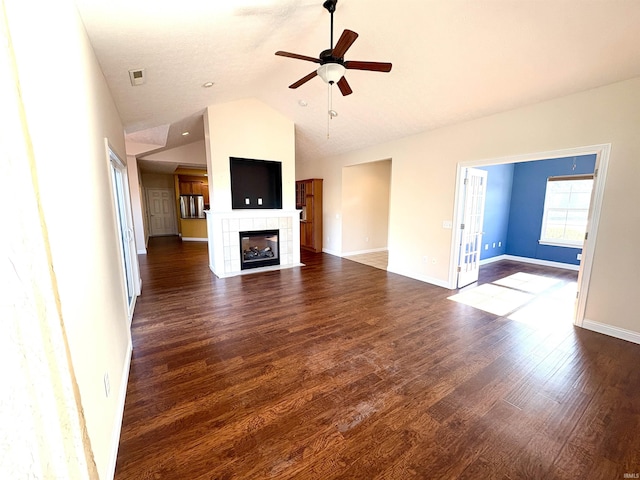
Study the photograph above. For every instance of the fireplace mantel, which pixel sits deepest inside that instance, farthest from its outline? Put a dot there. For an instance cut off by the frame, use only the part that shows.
(224, 246)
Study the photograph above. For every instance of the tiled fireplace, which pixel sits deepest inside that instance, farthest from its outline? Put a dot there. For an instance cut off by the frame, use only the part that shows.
(224, 238)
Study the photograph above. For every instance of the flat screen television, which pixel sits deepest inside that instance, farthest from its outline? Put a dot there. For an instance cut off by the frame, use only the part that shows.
(255, 184)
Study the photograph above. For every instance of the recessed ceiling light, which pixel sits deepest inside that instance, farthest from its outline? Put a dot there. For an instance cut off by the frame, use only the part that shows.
(207, 84)
(184, 134)
(302, 103)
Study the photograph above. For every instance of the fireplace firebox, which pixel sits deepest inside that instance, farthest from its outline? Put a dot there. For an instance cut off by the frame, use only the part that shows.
(259, 249)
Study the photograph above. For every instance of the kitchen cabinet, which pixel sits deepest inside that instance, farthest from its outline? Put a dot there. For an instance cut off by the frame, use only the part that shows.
(193, 186)
(309, 200)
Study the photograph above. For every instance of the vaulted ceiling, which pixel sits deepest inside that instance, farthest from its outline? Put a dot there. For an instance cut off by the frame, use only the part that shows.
(453, 60)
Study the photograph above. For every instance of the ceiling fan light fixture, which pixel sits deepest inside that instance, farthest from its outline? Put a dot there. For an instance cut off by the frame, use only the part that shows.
(331, 72)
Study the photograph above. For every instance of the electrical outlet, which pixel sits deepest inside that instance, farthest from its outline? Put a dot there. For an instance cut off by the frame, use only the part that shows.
(366, 239)
(579, 256)
(447, 224)
(499, 244)
(247, 201)
(107, 386)
(494, 244)
(486, 246)
(433, 261)
(425, 259)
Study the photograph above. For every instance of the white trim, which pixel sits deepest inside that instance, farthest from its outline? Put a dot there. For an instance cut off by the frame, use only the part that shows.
(497, 258)
(142, 251)
(416, 276)
(194, 239)
(361, 252)
(545, 263)
(560, 243)
(616, 332)
(115, 438)
(529, 157)
(331, 252)
(584, 277)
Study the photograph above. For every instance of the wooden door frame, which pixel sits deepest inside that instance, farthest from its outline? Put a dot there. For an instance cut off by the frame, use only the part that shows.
(602, 152)
(173, 207)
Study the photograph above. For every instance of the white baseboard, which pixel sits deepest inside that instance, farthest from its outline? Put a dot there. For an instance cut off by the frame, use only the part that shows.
(360, 252)
(331, 252)
(497, 258)
(617, 332)
(416, 276)
(142, 251)
(194, 239)
(535, 261)
(122, 394)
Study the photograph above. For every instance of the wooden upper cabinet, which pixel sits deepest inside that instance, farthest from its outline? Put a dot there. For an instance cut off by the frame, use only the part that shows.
(189, 186)
(309, 200)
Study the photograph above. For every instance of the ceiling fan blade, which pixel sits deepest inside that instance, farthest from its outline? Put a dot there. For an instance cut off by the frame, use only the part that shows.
(371, 66)
(303, 80)
(344, 87)
(299, 57)
(346, 40)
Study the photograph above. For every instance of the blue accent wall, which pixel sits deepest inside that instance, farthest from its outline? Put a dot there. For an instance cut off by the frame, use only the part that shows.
(496, 210)
(527, 207)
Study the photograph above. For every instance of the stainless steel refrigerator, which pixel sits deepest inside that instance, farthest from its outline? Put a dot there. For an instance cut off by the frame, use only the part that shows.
(191, 206)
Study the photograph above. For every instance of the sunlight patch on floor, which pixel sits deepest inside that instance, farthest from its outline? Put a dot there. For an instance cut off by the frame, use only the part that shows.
(527, 282)
(531, 299)
(493, 298)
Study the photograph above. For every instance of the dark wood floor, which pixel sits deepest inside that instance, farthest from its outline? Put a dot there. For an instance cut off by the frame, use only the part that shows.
(340, 370)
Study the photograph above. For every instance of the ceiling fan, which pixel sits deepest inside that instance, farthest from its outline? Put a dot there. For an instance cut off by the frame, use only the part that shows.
(332, 63)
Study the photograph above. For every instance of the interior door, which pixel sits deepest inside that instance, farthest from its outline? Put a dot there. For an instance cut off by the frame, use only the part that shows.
(474, 191)
(162, 216)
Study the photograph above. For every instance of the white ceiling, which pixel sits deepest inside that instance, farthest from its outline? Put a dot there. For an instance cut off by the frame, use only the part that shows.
(453, 60)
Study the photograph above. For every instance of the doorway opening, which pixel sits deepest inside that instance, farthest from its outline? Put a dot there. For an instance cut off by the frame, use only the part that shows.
(520, 225)
(366, 190)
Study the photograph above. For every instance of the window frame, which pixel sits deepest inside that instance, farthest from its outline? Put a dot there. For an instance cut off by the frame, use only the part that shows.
(563, 242)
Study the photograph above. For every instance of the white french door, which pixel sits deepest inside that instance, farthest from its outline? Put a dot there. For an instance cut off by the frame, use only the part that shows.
(473, 197)
(125, 230)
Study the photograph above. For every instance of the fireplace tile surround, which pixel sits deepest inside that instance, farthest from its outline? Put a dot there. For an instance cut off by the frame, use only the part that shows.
(224, 242)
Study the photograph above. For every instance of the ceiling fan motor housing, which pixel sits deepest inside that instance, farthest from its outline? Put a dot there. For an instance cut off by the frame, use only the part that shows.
(331, 72)
(330, 5)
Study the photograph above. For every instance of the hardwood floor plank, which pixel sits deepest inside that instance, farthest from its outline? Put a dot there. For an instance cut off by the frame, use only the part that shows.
(337, 370)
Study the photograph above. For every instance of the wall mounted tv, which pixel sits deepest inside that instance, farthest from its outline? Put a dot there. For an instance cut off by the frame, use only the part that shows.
(255, 184)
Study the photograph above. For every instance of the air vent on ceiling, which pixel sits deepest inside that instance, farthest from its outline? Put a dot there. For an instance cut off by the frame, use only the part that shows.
(137, 77)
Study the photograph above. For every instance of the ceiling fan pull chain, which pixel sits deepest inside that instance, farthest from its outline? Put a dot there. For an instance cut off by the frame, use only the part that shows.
(329, 105)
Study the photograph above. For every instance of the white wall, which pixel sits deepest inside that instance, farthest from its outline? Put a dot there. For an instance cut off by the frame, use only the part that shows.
(69, 112)
(247, 129)
(137, 202)
(423, 186)
(365, 206)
